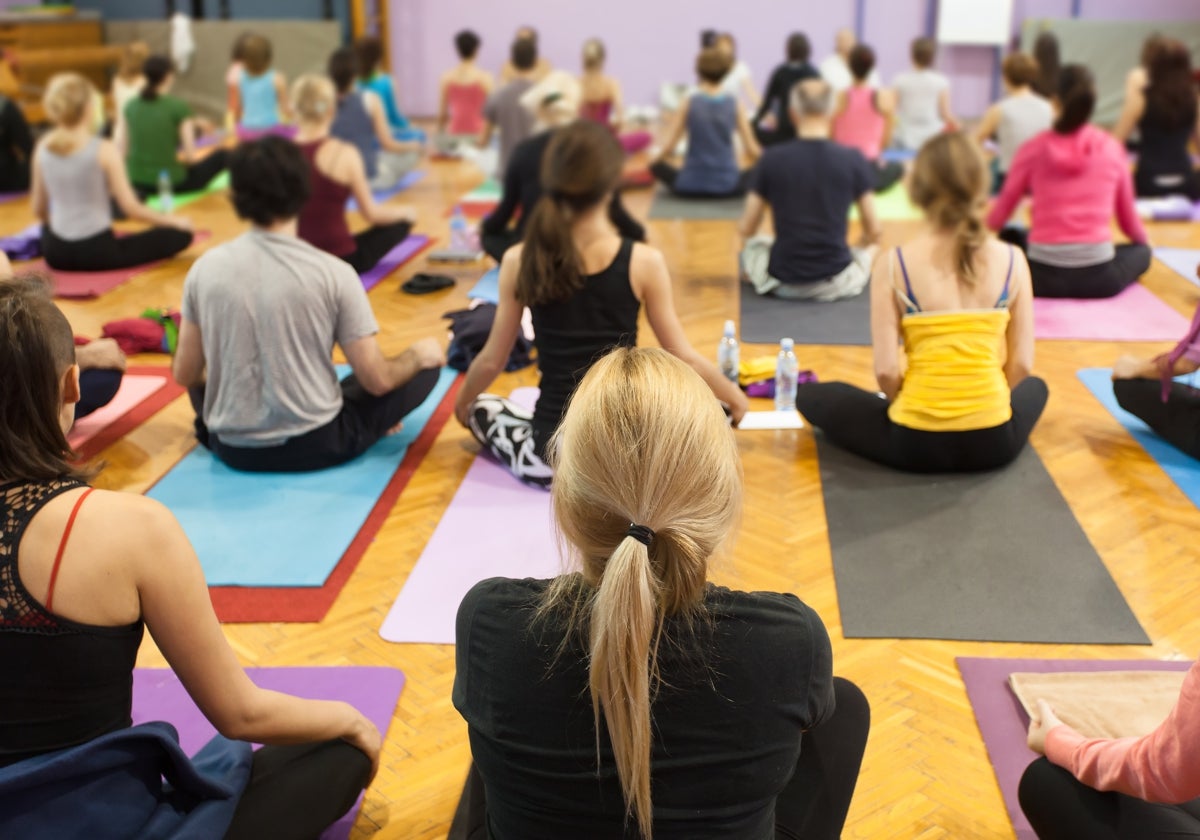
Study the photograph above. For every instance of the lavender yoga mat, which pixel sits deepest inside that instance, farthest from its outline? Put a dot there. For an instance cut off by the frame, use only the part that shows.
(519, 543)
(395, 258)
(1183, 261)
(395, 189)
(1003, 723)
(1134, 315)
(23, 245)
(158, 695)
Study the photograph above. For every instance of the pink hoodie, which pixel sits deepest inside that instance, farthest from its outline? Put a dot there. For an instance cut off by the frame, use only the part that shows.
(1077, 182)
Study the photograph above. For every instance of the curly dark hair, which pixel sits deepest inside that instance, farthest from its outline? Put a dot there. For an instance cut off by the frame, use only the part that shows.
(269, 180)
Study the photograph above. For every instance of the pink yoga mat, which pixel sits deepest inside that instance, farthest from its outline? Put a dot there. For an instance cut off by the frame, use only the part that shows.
(1003, 722)
(520, 543)
(133, 391)
(79, 285)
(1134, 315)
(158, 695)
(395, 258)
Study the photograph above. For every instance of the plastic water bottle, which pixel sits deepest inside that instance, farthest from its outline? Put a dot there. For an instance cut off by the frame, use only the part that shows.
(460, 232)
(786, 371)
(166, 198)
(728, 353)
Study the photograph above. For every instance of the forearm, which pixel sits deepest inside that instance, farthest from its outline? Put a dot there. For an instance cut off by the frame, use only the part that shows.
(275, 718)
(889, 383)
(480, 375)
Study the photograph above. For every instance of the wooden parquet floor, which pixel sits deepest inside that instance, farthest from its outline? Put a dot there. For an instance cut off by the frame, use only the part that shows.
(926, 774)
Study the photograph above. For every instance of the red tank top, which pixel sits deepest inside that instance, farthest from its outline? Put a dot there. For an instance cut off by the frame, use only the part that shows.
(465, 104)
(322, 221)
(861, 126)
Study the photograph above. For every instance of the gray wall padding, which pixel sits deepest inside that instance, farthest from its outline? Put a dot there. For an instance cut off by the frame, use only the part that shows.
(299, 47)
(1111, 48)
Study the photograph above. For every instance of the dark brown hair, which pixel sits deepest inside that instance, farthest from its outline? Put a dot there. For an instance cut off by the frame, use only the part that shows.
(36, 348)
(1171, 90)
(1076, 98)
(1045, 53)
(712, 65)
(156, 69)
(370, 52)
(256, 53)
(1020, 70)
(949, 183)
(343, 68)
(581, 166)
(924, 50)
(861, 61)
(798, 48)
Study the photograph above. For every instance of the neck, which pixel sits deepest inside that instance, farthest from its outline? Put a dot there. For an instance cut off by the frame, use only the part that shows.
(813, 128)
(590, 224)
(286, 227)
(306, 132)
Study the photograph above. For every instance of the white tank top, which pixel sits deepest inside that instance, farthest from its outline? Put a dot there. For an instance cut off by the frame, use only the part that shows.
(80, 206)
(1021, 117)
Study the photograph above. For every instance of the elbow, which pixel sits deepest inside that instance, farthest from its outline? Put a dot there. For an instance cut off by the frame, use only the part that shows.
(375, 385)
(1018, 372)
(889, 380)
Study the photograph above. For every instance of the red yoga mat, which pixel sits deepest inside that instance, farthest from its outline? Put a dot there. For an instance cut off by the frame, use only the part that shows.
(82, 285)
(243, 604)
(97, 442)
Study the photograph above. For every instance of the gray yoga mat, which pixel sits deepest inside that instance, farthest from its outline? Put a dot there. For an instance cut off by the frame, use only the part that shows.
(995, 557)
(765, 320)
(667, 205)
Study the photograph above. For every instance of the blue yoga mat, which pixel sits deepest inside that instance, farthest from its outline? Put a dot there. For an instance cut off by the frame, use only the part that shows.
(395, 189)
(897, 155)
(283, 529)
(1182, 469)
(488, 287)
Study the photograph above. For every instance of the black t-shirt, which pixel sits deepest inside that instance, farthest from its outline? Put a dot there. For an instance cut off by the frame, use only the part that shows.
(16, 147)
(779, 90)
(735, 695)
(810, 185)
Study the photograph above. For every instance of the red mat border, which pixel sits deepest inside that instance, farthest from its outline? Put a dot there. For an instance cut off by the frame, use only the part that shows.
(135, 416)
(258, 604)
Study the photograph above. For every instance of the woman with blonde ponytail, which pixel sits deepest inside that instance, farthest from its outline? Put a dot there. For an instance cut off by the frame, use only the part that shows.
(584, 284)
(961, 300)
(631, 698)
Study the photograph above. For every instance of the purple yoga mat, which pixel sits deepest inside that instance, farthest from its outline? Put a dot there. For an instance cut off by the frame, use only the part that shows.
(11, 196)
(1134, 315)
(395, 258)
(1004, 724)
(158, 695)
(23, 245)
(1183, 261)
(520, 543)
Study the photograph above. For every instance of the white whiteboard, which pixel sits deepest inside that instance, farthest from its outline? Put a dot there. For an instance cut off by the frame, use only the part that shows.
(975, 22)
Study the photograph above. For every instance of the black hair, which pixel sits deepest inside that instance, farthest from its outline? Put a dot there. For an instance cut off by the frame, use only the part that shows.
(708, 38)
(156, 69)
(1076, 98)
(343, 68)
(467, 44)
(524, 54)
(269, 180)
(369, 51)
(798, 48)
(861, 61)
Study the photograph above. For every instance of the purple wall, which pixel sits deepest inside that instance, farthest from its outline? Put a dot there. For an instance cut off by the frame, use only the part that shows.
(650, 41)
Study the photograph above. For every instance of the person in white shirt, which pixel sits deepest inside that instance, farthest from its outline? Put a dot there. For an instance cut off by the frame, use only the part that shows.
(922, 99)
(737, 82)
(836, 71)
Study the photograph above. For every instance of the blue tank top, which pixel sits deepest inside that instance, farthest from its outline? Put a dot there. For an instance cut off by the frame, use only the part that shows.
(381, 86)
(353, 124)
(260, 103)
(710, 165)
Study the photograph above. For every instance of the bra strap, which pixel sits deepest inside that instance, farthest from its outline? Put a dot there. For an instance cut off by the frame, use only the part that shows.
(912, 299)
(1002, 303)
(62, 545)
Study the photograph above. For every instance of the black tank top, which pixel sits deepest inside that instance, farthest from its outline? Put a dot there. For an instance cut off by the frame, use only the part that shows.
(64, 683)
(570, 335)
(1163, 150)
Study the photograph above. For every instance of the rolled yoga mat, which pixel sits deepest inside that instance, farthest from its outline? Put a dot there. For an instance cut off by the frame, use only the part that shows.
(1136, 314)
(143, 393)
(1003, 722)
(495, 526)
(991, 557)
(1179, 467)
(158, 695)
(766, 319)
(393, 259)
(667, 205)
(1183, 261)
(380, 196)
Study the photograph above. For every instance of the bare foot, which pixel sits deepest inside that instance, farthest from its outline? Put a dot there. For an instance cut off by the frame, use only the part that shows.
(395, 430)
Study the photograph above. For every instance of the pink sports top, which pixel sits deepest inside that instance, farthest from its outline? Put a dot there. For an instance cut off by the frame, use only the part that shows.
(465, 104)
(861, 126)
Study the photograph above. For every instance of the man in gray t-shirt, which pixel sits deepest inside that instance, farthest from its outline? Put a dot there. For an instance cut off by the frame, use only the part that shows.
(504, 109)
(261, 315)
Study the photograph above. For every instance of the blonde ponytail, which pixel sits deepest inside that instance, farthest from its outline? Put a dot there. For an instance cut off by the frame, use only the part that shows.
(949, 183)
(66, 102)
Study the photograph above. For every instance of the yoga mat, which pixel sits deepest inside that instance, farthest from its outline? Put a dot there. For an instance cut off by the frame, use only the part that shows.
(1183, 261)
(82, 285)
(283, 529)
(767, 319)
(143, 393)
(667, 205)
(480, 201)
(1136, 314)
(23, 245)
(393, 259)
(1003, 723)
(218, 184)
(11, 196)
(495, 526)
(488, 287)
(897, 155)
(1180, 468)
(158, 695)
(395, 189)
(995, 557)
(893, 206)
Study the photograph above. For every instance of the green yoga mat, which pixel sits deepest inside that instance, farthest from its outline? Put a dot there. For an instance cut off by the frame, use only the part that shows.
(893, 206)
(217, 184)
(489, 190)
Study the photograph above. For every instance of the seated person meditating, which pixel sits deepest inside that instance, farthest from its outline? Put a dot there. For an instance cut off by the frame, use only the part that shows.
(261, 315)
(809, 184)
(863, 117)
(584, 285)
(16, 147)
(464, 90)
(961, 301)
(76, 178)
(373, 78)
(1077, 176)
(773, 121)
(335, 173)
(630, 697)
(83, 574)
(503, 110)
(922, 99)
(709, 118)
(558, 98)
(603, 101)
(1021, 115)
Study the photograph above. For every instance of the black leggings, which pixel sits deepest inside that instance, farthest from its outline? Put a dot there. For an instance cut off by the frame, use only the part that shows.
(1177, 421)
(495, 244)
(363, 420)
(857, 421)
(1146, 182)
(887, 173)
(297, 791)
(668, 174)
(1094, 281)
(197, 177)
(106, 252)
(1060, 807)
(812, 805)
(96, 390)
(372, 245)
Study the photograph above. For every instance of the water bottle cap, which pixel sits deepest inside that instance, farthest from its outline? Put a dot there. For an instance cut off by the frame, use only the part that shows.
(786, 344)
(730, 328)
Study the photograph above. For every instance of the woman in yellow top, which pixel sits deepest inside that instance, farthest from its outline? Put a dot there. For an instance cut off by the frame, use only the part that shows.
(960, 398)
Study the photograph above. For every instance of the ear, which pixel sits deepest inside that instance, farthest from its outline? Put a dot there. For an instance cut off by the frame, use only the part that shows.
(69, 386)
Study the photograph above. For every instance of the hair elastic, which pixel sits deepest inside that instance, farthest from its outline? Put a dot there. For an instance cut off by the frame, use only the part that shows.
(640, 533)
